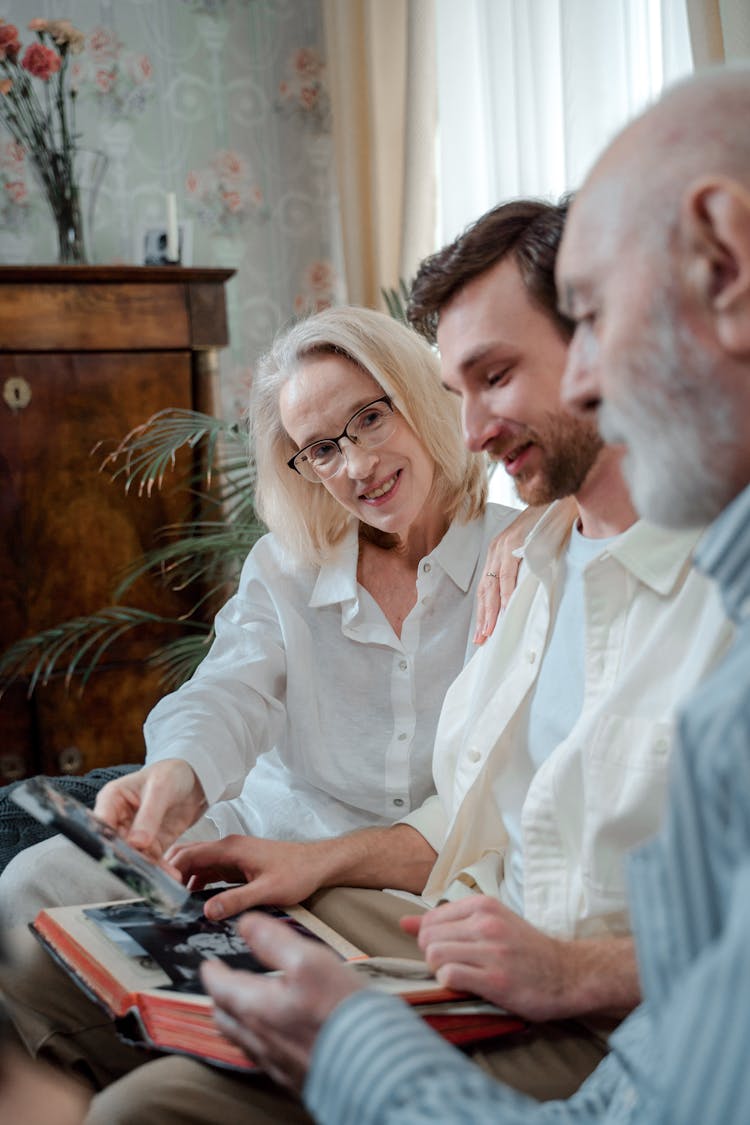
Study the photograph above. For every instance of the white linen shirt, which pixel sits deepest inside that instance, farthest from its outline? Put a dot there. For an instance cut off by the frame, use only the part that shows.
(309, 717)
(654, 628)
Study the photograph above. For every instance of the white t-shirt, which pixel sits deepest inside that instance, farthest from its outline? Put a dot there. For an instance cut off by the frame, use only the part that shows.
(309, 717)
(556, 703)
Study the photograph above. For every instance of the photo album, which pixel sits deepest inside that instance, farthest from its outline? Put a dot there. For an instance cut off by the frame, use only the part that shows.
(139, 958)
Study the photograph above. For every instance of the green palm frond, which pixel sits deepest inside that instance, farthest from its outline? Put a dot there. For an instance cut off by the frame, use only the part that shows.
(149, 452)
(396, 301)
(177, 660)
(77, 646)
(195, 554)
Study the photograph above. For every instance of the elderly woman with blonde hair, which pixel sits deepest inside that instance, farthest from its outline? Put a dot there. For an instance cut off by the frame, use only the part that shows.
(315, 709)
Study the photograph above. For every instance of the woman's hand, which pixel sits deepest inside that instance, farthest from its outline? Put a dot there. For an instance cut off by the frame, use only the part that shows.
(275, 872)
(501, 572)
(151, 807)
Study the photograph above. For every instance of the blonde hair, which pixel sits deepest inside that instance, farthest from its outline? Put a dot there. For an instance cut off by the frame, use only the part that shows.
(303, 514)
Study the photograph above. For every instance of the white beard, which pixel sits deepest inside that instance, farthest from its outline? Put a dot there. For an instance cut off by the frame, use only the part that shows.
(675, 424)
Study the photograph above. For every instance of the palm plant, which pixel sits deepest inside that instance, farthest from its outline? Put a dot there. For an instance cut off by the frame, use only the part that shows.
(396, 301)
(202, 555)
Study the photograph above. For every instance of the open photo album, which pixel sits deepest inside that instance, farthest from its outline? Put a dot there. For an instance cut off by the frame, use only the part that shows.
(139, 959)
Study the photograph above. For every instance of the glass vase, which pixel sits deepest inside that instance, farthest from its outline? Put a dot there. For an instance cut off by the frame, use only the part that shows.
(70, 183)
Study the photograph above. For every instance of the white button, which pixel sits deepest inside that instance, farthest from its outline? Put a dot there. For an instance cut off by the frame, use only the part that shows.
(662, 744)
(474, 754)
(427, 568)
(403, 665)
(531, 655)
(745, 608)
(398, 801)
(402, 736)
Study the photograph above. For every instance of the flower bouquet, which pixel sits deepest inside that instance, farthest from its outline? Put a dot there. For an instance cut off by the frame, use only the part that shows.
(37, 107)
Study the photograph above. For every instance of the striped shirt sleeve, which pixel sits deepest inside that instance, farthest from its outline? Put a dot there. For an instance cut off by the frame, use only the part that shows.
(376, 1063)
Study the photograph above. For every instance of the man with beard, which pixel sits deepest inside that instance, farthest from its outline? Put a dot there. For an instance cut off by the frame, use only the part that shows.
(655, 271)
(552, 748)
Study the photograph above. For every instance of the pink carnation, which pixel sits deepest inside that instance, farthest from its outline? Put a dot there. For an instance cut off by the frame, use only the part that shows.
(40, 61)
(10, 44)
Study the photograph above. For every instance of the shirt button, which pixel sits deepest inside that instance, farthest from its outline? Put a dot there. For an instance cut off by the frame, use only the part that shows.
(403, 665)
(474, 754)
(398, 801)
(531, 655)
(402, 736)
(427, 568)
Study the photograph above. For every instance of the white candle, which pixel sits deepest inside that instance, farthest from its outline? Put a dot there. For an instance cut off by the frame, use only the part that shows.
(172, 252)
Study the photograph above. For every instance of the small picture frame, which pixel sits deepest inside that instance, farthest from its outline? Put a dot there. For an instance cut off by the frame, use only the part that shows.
(151, 245)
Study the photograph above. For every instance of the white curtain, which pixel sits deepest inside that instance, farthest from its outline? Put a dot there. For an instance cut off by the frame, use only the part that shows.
(530, 91)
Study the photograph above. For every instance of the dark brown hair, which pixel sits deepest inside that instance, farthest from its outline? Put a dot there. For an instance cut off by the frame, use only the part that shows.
(529, 229)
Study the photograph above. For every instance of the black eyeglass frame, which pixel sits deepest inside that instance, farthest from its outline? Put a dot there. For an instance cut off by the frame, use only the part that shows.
(337, 440)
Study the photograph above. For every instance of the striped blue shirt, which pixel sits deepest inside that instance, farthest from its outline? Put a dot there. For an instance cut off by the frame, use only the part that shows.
(683, 1057)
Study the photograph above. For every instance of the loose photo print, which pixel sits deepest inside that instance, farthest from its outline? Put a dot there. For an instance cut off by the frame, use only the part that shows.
(39, 797)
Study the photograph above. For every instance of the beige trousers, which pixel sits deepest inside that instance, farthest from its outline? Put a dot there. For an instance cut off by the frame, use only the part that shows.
(56, 1021)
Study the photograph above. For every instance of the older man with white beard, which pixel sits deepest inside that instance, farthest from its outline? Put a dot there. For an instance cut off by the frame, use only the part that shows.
(673, 372)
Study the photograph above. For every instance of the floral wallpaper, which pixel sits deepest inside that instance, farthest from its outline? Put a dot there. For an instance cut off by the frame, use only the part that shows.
(225, 104)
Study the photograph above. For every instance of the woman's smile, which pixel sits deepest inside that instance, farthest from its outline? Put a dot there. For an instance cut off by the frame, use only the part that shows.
(382, 491)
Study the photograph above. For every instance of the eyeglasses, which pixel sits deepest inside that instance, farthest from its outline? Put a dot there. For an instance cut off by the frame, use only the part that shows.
(369, 427)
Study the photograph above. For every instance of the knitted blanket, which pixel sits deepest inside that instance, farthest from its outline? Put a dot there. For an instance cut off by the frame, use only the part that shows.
(18, 829)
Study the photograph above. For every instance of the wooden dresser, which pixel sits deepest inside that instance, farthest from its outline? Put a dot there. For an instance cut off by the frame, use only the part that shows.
(86, 354)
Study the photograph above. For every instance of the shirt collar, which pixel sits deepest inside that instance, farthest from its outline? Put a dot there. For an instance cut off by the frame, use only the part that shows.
(456, 554)
(656, 556)
(457, 551)
(337, 579)
(724, 552)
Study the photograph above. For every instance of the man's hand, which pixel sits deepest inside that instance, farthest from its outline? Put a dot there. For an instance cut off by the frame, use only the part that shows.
(501, 572)
(478, 945)
(276, 1019)
(273, 871)
(152, 806)
(281, 873)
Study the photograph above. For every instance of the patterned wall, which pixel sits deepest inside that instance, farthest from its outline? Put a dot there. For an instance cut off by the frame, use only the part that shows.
(223, 102)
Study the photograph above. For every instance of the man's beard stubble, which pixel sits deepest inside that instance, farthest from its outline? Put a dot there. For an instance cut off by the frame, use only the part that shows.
(570, 446)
